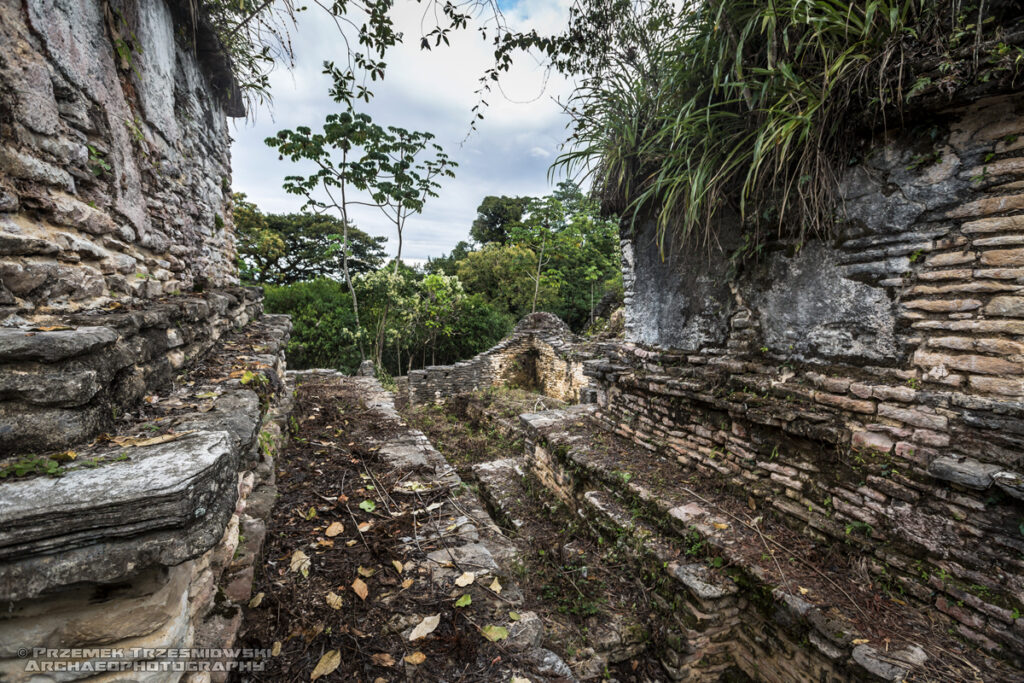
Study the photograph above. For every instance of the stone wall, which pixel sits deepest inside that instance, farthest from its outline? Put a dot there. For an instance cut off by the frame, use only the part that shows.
(866, 388)
(141, 391)
(541, 354)
(65, 380)
(711, 622)
(114, 160)
(148, 538)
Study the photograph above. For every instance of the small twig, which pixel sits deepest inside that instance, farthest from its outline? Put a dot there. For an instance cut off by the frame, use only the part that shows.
(791, 552)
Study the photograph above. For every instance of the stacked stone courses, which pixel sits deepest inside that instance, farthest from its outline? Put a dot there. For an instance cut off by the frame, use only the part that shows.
(130, 359)
(114, 171)
(869, 388)
(541, 354)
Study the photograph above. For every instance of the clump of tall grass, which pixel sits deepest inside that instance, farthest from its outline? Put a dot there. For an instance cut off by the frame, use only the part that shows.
(755, 105)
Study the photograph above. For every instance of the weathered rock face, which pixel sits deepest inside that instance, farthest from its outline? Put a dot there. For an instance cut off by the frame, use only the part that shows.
(61, 386)
(117, 282)
(874, 381)
(150, 541)
(541, 354)
(114, 160)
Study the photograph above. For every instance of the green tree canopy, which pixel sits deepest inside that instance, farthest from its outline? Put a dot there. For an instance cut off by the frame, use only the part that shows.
(502, 274)
(496, 216)
(286, 248)
(447, 264)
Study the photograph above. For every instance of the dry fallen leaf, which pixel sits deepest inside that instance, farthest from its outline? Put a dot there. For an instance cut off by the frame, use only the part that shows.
(494, 633)
(803, 591)
(407, 584)
(276, 650)
(397, 565)
(720, 525)
(466, 579)
(327, 664)
(495, 585)
(520, 679)
(416, 658)
(383, 659)
(364, 527)
(360, 588)
(751, 503)
(351, 543)
(135, 441)
(364, 571)
(334, 529)
(334, 600)
(425, 627)
(300, 562)
(860, 641)
(256, 600)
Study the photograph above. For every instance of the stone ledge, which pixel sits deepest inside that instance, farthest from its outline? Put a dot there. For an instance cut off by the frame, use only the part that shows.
(568, 463)
(59, 387)
(168, 504)
(114, 554)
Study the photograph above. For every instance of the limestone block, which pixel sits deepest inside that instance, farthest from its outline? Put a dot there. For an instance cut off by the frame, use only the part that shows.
(96, 616)
(53, 345)
(167, 504)
(872, 441)
(174, 633)
(1003, 257)
(1009, 306)
(964, 471)
(18, 164)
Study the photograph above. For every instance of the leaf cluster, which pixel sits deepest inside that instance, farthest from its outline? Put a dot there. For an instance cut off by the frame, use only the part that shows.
(686, 112)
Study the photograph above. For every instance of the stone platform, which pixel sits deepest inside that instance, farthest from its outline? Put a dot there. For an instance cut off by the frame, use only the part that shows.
(147, 536)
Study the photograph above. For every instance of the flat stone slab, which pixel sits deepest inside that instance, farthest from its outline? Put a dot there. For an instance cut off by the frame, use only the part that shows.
(501, 483)
(166, 504)
(54, 345)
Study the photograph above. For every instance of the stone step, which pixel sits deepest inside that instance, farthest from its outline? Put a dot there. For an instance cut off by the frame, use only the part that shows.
(646, 502)
(647, 543)
(615, 637)
(501, 485)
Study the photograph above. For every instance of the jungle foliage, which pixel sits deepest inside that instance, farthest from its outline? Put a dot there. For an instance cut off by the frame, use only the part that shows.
(561, 257)
(757, 105)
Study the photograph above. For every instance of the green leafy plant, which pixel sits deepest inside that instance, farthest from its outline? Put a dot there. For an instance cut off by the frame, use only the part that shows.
(691, 111)
(31, 465)
(98, 164)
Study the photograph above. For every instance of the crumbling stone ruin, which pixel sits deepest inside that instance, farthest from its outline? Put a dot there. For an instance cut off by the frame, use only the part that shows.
(812, 457)
(121, 318)
(865, 391)
(541, 354)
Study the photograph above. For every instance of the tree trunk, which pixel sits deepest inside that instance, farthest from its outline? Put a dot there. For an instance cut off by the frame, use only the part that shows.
(536, 279)
(344, 264)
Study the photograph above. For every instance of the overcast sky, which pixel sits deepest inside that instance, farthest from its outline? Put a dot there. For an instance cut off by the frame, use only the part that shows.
(431, 91)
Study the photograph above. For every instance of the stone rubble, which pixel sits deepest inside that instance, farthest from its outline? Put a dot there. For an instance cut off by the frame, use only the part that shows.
(541, 353)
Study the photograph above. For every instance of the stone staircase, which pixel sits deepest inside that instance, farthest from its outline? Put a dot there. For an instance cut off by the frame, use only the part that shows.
(742, 595)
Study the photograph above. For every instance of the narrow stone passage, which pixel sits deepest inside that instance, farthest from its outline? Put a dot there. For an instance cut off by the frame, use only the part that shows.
(534, 543)
(591, 594)
(380, 563)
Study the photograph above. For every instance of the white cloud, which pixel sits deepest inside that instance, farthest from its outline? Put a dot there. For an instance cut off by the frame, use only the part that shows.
(423, 90)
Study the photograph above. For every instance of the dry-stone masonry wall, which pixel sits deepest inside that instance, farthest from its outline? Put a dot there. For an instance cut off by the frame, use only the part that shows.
(870, 388)
(714, 623)
(149, 541)
(114, 158)
(540, 354)
(68, 379)
(125, 523)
